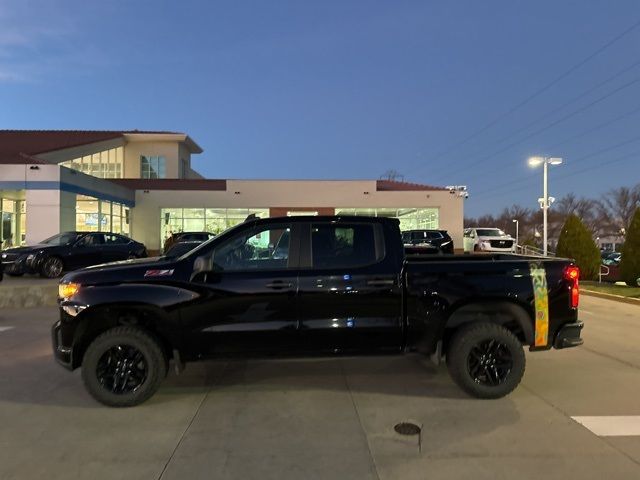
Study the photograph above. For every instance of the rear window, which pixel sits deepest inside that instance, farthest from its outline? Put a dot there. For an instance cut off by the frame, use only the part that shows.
(345, 245)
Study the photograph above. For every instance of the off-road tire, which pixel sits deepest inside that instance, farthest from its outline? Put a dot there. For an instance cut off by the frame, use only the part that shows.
(459, 358)
(150, 348)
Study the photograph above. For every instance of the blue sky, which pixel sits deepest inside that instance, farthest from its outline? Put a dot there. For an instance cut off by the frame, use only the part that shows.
(343, 89)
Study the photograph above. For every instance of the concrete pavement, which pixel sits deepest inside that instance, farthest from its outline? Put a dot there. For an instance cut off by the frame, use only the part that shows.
(324, 418)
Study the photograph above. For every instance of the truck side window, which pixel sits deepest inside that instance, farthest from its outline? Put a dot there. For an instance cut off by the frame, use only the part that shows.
(265, 248)
(345, 245)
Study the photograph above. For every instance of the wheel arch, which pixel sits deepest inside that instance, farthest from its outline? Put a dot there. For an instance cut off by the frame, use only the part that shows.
(509, 314)
(96, 320)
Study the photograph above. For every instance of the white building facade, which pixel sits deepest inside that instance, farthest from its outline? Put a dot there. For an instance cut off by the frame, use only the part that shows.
(141, 184)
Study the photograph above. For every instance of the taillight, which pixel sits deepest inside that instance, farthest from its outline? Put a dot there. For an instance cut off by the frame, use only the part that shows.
(572, 274)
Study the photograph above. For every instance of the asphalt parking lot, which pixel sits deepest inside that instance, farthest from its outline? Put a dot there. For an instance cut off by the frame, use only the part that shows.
(328, 418)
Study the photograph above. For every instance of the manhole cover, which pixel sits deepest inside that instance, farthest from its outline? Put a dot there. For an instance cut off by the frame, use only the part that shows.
(406, 428)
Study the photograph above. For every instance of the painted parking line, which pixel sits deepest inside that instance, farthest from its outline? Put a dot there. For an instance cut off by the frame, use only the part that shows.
(612, 426)
(4, 329)
(582, 310)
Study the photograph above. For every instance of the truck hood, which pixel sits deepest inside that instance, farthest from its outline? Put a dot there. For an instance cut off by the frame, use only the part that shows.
(123, 271)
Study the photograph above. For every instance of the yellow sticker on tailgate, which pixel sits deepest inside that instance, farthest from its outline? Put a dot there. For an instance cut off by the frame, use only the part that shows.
(541, 302)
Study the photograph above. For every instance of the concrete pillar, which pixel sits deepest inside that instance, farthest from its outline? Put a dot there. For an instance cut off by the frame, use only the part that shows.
(43, 214)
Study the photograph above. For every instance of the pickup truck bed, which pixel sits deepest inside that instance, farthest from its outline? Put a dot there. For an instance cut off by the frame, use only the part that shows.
(309, 286)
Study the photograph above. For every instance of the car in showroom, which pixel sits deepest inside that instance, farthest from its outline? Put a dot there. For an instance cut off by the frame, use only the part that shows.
(186, 237)
(337, 285)
(178, 249)
(484, 239)
(70, 251)
(427, 241)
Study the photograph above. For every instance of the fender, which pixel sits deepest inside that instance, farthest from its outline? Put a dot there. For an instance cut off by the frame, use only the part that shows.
(94, 309)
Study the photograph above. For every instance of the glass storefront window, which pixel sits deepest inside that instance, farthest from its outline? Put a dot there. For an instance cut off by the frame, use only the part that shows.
(212, 220)
(104, 164)
(93, 215)
(410, 218)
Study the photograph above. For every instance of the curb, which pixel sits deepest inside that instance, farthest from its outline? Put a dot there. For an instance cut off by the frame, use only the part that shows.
(610, 296)
(29, 296)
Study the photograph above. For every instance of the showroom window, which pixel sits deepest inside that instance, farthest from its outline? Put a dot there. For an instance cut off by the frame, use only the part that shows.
(410, 218)
(93, 215)
(212, 220)
(105, 164)
(152, 166)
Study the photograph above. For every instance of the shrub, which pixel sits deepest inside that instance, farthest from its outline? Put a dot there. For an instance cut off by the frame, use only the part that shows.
(630, 263)
(576, 242)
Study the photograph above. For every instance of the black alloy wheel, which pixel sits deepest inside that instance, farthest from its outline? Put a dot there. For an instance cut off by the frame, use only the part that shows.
(489, 362)
(124, 366)
(52, 267)
(122, 369)
(486, 360)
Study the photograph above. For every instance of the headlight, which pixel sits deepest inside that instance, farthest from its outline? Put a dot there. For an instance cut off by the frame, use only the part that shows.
(30, 257)
(4, 255)
(68, 290)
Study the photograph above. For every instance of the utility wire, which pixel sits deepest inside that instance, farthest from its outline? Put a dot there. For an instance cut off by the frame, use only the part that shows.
(538, 92)
(582, 134)
(566, 104)
(572, 174)
(547, 127)
(579, 159)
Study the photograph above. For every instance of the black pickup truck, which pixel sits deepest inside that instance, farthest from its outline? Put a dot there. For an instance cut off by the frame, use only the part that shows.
(308, 286)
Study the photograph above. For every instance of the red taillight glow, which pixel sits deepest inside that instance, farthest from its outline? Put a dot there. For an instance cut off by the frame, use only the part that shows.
(572, 274)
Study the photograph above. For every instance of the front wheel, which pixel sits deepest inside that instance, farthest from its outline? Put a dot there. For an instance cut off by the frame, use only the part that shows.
(486, 360)
(123, 367)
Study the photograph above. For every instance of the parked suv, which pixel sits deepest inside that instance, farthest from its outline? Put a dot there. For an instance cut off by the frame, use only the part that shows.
(488, 240)
(427, 241)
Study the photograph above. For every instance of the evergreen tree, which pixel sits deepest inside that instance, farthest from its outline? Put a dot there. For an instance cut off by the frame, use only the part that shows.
(630, 263)
(576, 242)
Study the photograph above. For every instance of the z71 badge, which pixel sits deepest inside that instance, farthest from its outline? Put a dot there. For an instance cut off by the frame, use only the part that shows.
(158, 273)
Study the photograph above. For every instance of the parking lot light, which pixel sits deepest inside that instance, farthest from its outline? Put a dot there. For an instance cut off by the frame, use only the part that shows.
(545, 162)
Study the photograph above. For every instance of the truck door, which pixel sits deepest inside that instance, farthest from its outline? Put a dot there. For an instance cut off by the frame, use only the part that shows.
(248, 303)
(349, 295)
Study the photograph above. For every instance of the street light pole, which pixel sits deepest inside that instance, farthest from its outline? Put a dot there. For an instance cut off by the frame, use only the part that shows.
(545, 161)
(545, 206)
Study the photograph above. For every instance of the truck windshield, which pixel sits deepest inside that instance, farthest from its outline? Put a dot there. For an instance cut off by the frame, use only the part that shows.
(490, 232)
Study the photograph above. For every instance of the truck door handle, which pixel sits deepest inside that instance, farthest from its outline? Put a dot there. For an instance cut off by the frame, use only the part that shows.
(379, 282)
(278, 284)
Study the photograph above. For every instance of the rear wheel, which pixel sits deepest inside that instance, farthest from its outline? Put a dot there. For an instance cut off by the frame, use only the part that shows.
(123, 367)
(486, 360)
(52, 267)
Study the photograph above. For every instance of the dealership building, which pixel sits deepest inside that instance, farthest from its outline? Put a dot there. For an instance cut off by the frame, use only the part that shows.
(142, 184)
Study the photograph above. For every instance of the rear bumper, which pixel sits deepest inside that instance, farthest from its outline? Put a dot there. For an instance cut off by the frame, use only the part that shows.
(62, 353)
(569, 336)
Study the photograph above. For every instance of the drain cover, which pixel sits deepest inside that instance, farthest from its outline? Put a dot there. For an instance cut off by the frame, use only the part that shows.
(406, 428)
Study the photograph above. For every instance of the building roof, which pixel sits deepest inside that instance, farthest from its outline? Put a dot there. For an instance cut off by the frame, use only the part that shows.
(171, 183)
(394, 186)
(21, 146)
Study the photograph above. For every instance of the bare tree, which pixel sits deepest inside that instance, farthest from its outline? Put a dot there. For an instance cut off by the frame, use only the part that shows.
(392, 175)
(616, 209)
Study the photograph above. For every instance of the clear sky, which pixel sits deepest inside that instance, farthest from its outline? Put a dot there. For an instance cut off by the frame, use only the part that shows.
(344, 89)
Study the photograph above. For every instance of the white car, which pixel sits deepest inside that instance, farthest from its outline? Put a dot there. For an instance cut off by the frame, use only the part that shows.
(488, 240)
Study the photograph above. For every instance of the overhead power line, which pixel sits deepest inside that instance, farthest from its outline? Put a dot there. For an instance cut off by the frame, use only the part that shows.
(574, 162)
(566, 104)
(537, 93)
(547, 127)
